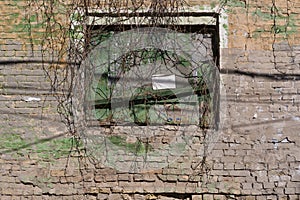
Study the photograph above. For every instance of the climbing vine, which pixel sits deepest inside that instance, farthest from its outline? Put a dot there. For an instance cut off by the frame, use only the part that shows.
(70, 29)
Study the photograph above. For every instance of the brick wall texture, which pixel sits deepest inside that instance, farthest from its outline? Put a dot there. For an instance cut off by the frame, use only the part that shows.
(255, 157)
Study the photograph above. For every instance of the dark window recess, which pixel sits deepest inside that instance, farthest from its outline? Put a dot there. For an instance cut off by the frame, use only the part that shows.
(146, 105)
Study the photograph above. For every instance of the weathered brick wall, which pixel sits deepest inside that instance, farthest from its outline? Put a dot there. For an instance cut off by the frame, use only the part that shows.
(255, 157)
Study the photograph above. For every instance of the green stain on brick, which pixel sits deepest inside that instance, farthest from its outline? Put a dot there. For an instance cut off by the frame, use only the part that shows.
(235, 3)
(262, 15)
(137, 147)
(257, 32)
(14, 15)
(28, 24)
(43, 149)
(213, 4)
(225, 26)
(288, 28)
(231, 5)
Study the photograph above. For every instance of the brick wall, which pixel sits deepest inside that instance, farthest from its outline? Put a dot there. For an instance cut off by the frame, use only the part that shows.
(256, 155)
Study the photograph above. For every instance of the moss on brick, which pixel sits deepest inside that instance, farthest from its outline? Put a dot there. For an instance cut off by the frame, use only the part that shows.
(45, 149)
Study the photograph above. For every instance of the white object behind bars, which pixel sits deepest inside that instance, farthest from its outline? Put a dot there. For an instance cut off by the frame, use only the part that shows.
(163, 81)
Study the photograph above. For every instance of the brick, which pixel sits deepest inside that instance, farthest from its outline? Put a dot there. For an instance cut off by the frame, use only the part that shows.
(240, 152)
(257, 185)
(124, 177)
(37, 191)
(250, 197)
(271, 197)
(261, 198)
(256, 192)
(218, 166)
(114, 197)
(221, 146)
(274, 178)
(162, 177)
(57, 172)
(138, 177)
(88, 177)
(12, 191)
(281, 84)
(149, 177)
(8, 179)
(13, 47)
(280, 184)
(279, 191)
(296, 177)
(171, 171)
(74, 179)
(239, 173)
(159, 187)
(104, 190)
(172, 178)
(217, 153)
(212, 188)
(220, 173)
(170, 187)
(258, 167)
(232, 159)
(106, 171)
(261, 176)
(229, 152)
(117, 189)
(247, 186)
(138, 197)
(181, 187)
(197, 197)
(228, 166)
(293, 197)
(99, 178)
(208, 197)
(239, 166)
(183, 178)
(272, 166)
(109, 184)
(289, 190)
(267, 185)
(65, 189)
(220, 197)
(111, 178)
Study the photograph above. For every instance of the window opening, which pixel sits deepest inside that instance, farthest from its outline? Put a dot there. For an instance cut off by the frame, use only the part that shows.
(156, 101)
